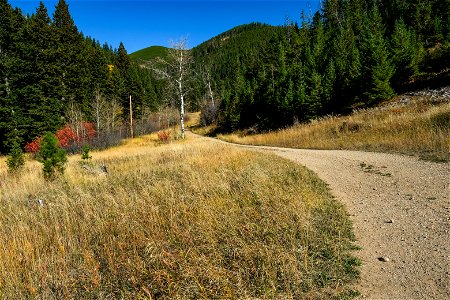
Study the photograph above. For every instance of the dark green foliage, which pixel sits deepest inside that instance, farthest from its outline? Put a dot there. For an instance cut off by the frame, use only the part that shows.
(350, 54)
(378, 69)
(52, 157)
(85, 153)
(406, 52)
(16, 158)
(47, 65)
(149, 53)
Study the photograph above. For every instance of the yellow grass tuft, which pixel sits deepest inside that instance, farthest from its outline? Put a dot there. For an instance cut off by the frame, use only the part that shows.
(187, 220)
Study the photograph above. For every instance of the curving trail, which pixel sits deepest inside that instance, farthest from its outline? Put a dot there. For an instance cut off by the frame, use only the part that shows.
(400, 208)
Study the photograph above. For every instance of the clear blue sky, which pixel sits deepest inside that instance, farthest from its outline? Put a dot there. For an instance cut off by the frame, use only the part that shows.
(142, 23)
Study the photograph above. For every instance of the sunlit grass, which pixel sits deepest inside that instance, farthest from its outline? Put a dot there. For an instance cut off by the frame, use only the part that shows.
(184, 220)
(420, 128)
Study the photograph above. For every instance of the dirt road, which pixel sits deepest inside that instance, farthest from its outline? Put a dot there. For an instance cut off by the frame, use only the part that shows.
(400, 207)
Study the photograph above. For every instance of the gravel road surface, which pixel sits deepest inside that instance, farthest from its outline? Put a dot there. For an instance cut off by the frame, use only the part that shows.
(400, 208)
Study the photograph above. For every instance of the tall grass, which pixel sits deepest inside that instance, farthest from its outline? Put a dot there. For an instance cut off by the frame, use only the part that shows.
(421, 128)
(178, 221)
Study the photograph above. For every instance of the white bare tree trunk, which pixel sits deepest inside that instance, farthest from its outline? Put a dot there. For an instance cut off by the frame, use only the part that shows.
(182, 116)
(8, 90)
(131, 119)
(181, 92)
(211, 93)
(176, 72)
(97, 104)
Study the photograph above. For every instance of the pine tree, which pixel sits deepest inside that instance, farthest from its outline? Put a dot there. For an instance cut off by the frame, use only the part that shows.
(345, 53)
(123, 61)
(314, 98)
(45, 109)
(16, 158)
(123, 65)
(52, 157)
(406, 51)
(378, 68)
(13, 75)
(68, 56)
(328, 87)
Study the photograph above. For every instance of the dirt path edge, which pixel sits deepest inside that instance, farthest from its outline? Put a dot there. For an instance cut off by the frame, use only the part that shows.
(400, 209)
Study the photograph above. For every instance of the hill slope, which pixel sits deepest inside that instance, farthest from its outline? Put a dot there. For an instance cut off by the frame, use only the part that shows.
(241, 45)
(149, 53)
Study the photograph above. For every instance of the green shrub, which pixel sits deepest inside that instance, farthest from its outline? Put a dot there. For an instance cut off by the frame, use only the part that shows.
(52, 157)
(85, 156)
(16, 159)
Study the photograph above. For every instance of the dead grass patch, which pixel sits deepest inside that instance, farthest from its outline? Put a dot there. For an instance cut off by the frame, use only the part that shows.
(421, 128)
(180, 221)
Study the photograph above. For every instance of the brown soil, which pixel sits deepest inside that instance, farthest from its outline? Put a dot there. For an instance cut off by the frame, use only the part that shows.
(400, 208)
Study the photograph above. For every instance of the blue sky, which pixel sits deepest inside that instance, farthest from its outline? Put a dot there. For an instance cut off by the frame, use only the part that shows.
(142, 23)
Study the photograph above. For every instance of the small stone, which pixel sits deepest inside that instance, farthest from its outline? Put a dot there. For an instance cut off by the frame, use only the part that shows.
(383, 259)
(390, 221)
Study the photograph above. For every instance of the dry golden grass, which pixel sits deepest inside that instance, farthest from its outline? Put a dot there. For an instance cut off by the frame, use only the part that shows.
(421, 128)
(179, 221)
(192, 119)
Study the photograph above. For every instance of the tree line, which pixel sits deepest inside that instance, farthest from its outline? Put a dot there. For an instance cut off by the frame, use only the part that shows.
(51, 75)
(349, 54)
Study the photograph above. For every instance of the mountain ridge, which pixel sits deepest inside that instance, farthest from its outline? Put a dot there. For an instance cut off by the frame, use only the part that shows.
(154, 51)
(149, 53)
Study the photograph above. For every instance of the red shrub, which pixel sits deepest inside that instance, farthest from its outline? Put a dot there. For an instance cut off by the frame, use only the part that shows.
(89, 131)
(34, 145)
(164, 136)
(67, 137)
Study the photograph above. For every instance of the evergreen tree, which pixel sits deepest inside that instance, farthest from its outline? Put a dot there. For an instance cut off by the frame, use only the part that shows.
(348, 67)
(123, 64)
(69, 60)
(328, 87)
(123, 61)
(314, 98)
(42, 104)
(52, 157)
(13, 75)
(16, 158)
(378, 68)
(45, 65)
(407, 53)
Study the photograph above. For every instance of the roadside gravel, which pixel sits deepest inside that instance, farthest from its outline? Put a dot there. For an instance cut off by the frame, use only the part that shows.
(400, 208)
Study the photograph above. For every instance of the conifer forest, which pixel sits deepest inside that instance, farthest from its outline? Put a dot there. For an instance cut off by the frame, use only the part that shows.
(350, 54)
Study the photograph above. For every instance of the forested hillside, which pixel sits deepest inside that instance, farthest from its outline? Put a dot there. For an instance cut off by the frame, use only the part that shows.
(350, 54)
(51, 76)
(149, 53)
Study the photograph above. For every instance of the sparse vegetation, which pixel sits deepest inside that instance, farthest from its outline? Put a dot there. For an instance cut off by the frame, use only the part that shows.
(174, 222)
(420, 128)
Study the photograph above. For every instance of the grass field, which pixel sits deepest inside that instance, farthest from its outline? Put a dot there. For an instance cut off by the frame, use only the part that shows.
(420, 128)
(184, 220)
